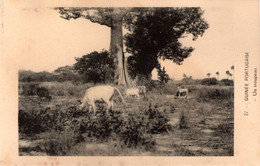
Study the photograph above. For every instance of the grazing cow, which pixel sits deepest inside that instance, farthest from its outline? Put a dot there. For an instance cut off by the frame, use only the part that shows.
(136, 91)
(100, 93)
(142, 90)
(132, 92)
(182, 93)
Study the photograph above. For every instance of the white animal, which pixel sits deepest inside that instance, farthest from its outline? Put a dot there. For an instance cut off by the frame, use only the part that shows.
(142, 90)
(132, 92)
(182, 93)
(100, 93)
(136, 91)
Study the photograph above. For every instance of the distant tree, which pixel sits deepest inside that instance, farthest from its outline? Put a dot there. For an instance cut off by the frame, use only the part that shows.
(208, 74)
(232, 68)
(184, 75)
(163, 76)
(228, 74)
(25, 75)
(187, 80)
(217, 73)
(96, 67)
(66, 73)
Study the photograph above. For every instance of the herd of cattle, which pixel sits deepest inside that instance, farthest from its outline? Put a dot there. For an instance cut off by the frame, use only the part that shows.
(105, 93)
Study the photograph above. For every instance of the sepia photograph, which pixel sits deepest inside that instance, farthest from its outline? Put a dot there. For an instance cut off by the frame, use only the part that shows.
(136, 93)
(126, 83)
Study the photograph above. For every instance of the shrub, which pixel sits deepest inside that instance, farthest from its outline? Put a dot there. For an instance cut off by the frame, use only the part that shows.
(132, 129)
(227, 82)
(207, 93)
(29, 123)
(28, 89)
(42, 92)
(46, 119)
(183, 121)
(60, 144)
(209, 81)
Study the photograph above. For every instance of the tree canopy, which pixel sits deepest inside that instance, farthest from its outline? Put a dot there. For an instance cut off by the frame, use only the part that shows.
(95, 67)
(154, 34)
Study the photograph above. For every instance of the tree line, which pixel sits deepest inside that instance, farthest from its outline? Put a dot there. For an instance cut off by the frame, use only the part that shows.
(229, 75)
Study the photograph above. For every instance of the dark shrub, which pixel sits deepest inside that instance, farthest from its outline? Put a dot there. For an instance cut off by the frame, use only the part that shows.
(215, 93)
(28, 89)
(132, 128)
(227, 82)
(43, 92)
(30, 123)
(60, 144)
(209, 81)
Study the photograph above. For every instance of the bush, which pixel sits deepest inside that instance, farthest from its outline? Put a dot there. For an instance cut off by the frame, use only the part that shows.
(46, 119)
(183, 121)
(209, 81)
(133, 129)
(215, 93)
(227, 82)
(60, 144)
(28, 89)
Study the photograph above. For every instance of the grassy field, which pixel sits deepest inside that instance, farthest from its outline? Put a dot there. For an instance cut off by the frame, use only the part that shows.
(50, 122)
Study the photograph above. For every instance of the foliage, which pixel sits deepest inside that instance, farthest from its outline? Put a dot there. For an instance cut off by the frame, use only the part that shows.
(66, 73)
(190, 81)
(96, 67)
(227, 82)
(163, 76)
(209, 81)
(60, 144)
(154, 34)
(132, 128)
(58, 75)
(215, 93)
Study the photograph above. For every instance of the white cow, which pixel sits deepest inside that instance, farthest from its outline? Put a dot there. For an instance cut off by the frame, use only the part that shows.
(132, 92)
(182, 93)
(142, 90)
(100, 93)
(136, 91)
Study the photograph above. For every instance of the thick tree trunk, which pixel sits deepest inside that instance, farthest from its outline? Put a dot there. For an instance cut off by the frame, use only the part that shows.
(116, 50)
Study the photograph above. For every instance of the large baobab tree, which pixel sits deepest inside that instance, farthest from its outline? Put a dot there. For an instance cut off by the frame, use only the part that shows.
(113, 18)
(160, 29)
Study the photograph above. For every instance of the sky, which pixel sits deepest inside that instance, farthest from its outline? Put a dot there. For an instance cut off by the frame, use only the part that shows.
(44, 41)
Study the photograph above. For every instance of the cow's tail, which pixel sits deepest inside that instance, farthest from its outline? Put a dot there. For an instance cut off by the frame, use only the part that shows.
(120, 95)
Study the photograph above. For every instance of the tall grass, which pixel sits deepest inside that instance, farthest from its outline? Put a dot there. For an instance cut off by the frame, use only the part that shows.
(215, 92)
(65, 88)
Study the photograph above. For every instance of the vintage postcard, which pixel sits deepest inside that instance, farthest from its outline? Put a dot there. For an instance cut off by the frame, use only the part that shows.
(130, 82)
